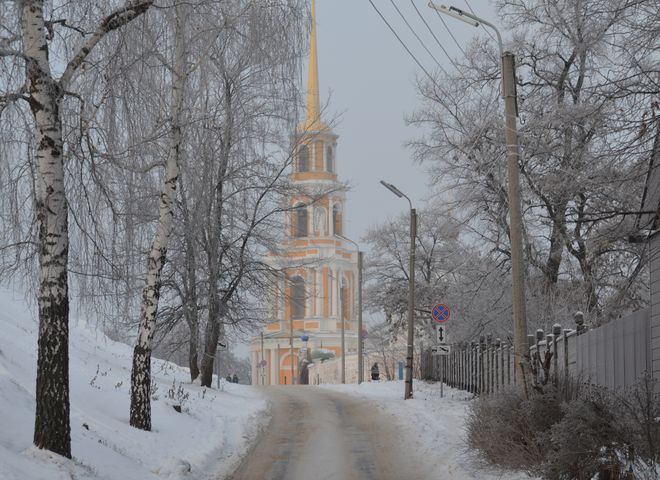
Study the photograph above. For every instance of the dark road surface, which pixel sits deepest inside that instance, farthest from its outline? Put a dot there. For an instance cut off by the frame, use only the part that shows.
(317, 434)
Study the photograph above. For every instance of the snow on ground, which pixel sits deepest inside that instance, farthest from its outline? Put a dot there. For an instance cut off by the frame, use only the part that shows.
(208, 439)
(433, 426)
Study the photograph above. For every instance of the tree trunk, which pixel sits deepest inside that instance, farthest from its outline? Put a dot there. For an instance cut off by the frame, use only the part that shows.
(213, 325)
(214, 329)
(217, 305)
(191, 311)
(52, 430)
(555, 254)
(140, 410)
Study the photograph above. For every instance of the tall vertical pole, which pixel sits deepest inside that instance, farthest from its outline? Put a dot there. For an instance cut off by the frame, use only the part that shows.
(411, 305)
(277, 357)
(359, 326)
(515, 218)
(261, 365)
(291, 346)
(343, 342)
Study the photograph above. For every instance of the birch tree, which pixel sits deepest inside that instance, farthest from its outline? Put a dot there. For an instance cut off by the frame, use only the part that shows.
(140, 410)
(44, 91)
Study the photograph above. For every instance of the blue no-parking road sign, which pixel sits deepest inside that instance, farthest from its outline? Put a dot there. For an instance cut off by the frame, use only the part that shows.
(440, 313)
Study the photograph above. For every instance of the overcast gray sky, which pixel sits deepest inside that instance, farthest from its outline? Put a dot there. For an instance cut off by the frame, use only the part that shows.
(369, 80)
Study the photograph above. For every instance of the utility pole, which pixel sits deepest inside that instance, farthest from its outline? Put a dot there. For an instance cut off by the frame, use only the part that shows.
(411, 305)
(343, 343)
(515, 217)
(520, 350)
(359, 328)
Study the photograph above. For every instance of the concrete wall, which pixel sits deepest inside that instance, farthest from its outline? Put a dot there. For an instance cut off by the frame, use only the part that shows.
(330, 370)
(654, 255)
(616, 354)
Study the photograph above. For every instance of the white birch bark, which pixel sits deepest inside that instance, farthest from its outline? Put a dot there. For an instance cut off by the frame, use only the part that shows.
(44, 95)
(52, 428)
(140, 410)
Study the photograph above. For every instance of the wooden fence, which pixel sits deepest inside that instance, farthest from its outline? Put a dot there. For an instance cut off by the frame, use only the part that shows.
(614, 355)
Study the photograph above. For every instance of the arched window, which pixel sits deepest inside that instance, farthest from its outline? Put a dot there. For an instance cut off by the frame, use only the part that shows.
(303, 159)
(300, 221)
(297, 297)
(329, 160)
(336, 219)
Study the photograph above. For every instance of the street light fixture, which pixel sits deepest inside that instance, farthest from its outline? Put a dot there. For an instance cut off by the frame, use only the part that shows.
(515, 216)
(411, 290)
(359, 325)
(456, 13)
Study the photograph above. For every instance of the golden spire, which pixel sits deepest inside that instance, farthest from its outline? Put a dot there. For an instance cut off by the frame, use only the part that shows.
(313, 119)
(313, 100)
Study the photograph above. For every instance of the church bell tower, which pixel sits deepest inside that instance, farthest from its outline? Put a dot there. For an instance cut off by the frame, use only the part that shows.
(316, 289)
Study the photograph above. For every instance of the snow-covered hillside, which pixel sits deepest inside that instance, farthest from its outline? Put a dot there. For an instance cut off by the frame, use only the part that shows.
(208, 438)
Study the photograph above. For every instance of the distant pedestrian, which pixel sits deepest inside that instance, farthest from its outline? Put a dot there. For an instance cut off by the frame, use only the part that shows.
(375, 373)
(228, 378)
(235, 379)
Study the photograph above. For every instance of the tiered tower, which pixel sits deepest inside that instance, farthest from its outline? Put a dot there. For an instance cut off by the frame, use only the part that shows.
(318, 281)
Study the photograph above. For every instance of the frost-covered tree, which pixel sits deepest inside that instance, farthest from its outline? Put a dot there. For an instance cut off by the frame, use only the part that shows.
(140, 410)
(233, 191)
(450, 269)
(34, 33)
(587, 78)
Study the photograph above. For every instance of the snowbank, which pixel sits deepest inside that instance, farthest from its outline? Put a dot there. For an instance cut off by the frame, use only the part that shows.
(433, 426)
(206, 440)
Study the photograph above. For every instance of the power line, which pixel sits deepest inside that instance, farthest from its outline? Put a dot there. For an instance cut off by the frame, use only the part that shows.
(434, 35)
(455, 113)
(450, 32)
(418, 37)
(485, 29)
(457, 67)
(403, 44)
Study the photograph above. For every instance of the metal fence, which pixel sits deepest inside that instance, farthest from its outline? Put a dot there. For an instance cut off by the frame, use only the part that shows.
(614, 355)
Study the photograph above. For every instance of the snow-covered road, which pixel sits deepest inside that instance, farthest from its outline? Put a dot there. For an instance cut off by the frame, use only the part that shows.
(324, 435)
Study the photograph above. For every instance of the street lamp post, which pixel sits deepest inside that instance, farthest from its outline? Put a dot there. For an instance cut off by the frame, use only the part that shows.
(411, 290)
(359, 325)
(515, 217)
(343, 341)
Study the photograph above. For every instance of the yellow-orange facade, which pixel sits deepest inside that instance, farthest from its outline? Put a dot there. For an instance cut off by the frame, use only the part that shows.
(316, 288)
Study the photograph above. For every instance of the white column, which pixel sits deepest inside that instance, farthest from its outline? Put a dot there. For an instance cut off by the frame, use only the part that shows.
(309, 291)
(255, 369)
(273, 366)
(333, 309)
(281, 284)
(319, 292)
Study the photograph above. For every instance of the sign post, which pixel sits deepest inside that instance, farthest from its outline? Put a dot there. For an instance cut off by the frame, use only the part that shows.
(440, 314)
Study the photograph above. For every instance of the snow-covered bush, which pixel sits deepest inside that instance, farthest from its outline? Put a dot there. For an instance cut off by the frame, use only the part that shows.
(589, 438)
(573, 431)
(511, 431)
